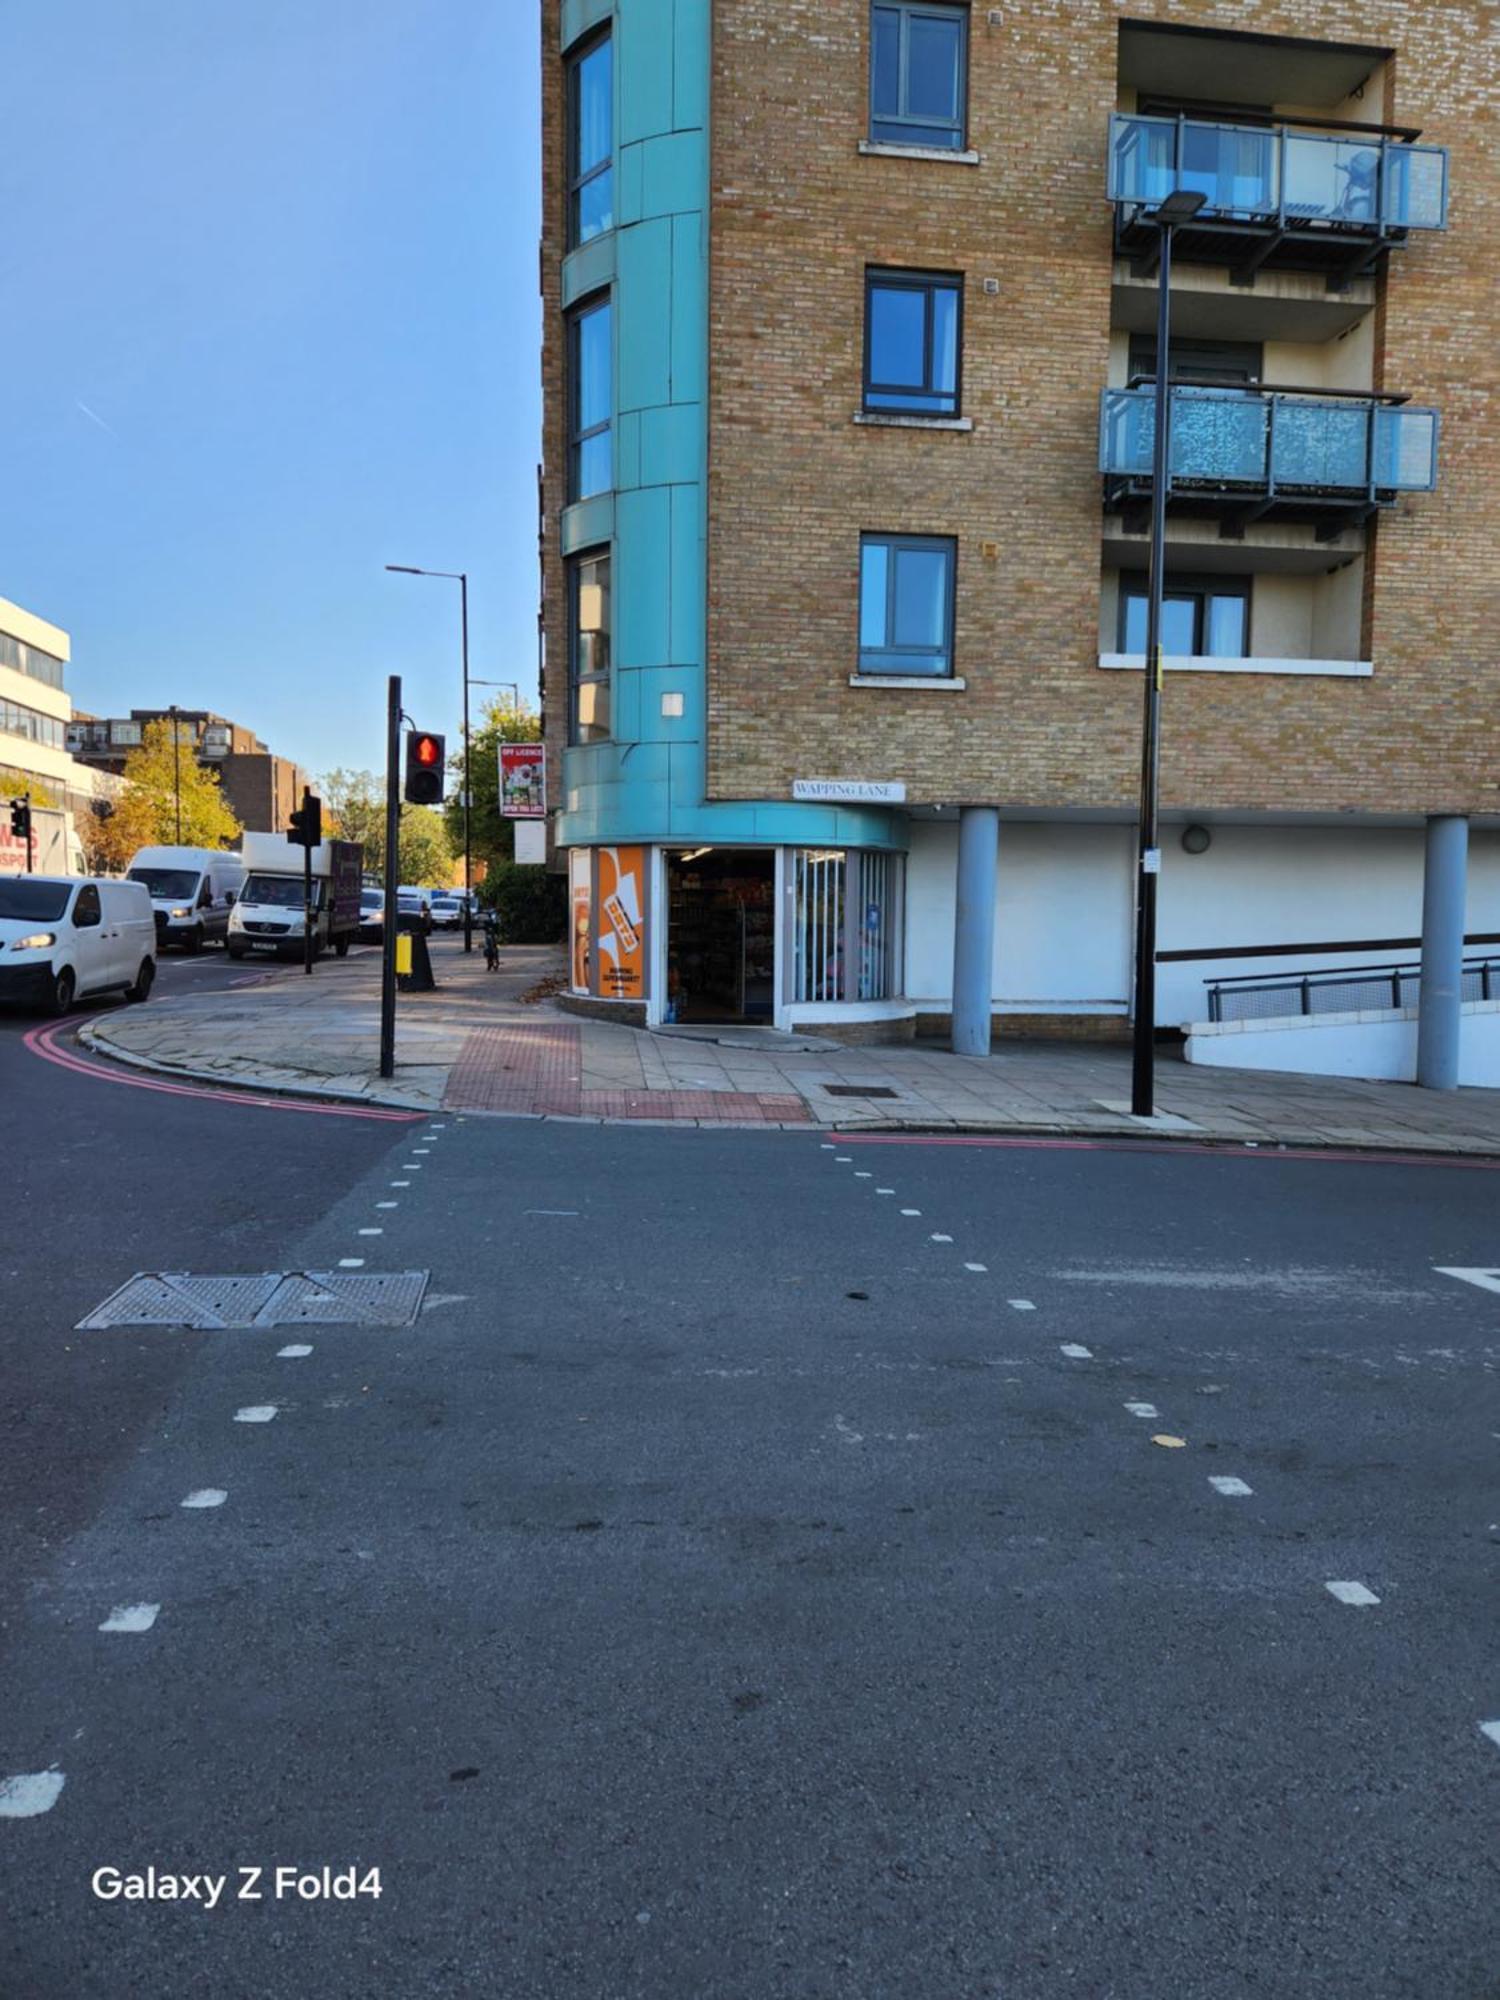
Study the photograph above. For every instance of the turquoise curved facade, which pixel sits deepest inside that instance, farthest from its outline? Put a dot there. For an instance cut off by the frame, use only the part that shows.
(649, 783)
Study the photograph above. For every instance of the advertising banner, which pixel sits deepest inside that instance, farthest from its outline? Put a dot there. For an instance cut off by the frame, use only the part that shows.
(523, 781)
(622, 922)
(579, 908)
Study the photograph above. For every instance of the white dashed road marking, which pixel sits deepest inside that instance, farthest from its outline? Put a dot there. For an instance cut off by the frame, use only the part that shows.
(33, 1792)
(373, 1230)
(1076, 1353)
(351, 1263)
(1490, 1729)
(206, 1496)
(911, 1211)
(843, 1159)
(1143, 1409)
(1232, 1489)
(387, 1204)
(976, 1267)
(862, 1177)
(400, 1183)
(131, 1618)
(296, 1350)
(1351, 1593)
(936, 1238)
(255, 1413)
(1021, 1305)
(885, 1190)
(1485, 1276)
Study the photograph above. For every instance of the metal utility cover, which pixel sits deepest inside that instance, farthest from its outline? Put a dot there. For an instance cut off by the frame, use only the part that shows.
(858, 1090)
(264, 1298)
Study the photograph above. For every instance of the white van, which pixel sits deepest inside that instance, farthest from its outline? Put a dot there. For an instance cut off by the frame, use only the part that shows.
(62, 938)
(192, 891)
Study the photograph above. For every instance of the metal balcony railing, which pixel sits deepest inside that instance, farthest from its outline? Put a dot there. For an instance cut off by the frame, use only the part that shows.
(1289, 994)
(1290, 445)
(1279, 176)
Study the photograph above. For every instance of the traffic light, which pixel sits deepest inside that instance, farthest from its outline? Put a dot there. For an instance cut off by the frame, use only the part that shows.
(307, 824)
(424, 769)
(20, 818)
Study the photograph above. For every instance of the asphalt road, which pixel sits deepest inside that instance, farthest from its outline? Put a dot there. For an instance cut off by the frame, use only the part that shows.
(730, 1589)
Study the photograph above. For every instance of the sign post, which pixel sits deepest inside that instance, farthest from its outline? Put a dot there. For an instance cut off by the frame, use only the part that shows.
(392, 846)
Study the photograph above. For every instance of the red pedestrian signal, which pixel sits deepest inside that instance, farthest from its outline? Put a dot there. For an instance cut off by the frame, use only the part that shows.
(424, 769)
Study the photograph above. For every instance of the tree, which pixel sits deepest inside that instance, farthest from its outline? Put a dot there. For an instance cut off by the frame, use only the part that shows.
(491, 838)
(354, 809)
(157, 778)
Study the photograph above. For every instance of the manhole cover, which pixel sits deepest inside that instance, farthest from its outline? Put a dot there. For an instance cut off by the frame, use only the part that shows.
(858, 1090)
(264, 1298)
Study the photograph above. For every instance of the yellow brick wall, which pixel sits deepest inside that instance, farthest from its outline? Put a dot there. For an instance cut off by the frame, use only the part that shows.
(798, 214)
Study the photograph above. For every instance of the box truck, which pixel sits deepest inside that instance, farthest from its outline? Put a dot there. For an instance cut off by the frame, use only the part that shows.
(192, 891)
(267, 917)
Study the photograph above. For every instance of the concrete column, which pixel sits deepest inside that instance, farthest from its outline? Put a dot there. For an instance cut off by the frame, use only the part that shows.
(974, 929)
(1444, 882)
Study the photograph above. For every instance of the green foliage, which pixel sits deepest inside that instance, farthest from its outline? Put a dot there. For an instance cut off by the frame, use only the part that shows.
(531, 903)
(354, 805)
(491, 838)
(147, 815)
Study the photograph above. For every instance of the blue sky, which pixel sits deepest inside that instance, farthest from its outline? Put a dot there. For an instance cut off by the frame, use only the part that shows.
(270, 322)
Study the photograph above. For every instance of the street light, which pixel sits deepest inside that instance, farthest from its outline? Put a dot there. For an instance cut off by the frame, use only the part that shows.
(460, 577)
(1180, 206)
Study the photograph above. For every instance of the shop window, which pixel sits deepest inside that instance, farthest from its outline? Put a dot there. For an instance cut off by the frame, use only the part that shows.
(1203, 617)
(591, 401)
(906, 604)
(912, 335)
(589, 648)
(918, 74)
(591, 142)
(846, 921)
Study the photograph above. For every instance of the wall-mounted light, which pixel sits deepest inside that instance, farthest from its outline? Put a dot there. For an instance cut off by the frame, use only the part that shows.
(1196, 840)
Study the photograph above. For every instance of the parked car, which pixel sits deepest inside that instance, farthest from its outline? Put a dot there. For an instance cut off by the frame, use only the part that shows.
(413, 905)
(448, 912)
(371, 916)
(62, 938)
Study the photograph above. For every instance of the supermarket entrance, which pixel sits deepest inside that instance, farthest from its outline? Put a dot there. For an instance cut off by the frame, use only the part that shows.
(721, 934)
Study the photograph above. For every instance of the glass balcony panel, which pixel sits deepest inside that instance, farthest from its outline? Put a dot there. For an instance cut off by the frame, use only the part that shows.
(1125, 423)
(1414, 190)
(1218, 434)
(1142, 158)
(1406, 448)
(1232, 166)
(1320, 445)
(1332, 180)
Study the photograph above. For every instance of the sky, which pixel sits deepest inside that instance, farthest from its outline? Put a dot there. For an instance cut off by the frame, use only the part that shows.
(270, 321)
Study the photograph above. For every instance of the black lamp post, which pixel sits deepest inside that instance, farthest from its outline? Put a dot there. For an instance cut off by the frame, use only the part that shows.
(460, 577)
(1179, 207)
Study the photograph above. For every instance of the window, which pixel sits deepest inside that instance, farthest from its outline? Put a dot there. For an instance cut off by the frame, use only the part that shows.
(591, 458)
(846, 924)
(913, 326)
(86, 910)
(591, 180)
(906, 604)
(588, 649)
(1207, 617)
(1232, 364)
(30, 660)
(17, 720)
(918, 74)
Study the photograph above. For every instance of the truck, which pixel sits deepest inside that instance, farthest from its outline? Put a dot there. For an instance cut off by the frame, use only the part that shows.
(193, 891)
(267, 919)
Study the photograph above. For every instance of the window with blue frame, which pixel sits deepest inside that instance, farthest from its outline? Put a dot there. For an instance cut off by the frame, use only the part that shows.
(906, 604)
(919, 58)
(913, 328)
(591, 180)
(591, 400)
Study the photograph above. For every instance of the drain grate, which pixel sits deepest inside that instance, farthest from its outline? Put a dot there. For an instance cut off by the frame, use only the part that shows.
(263, 1298)
(858, 1090)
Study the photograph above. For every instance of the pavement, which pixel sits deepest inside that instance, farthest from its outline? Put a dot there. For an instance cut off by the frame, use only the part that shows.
(477, 1044)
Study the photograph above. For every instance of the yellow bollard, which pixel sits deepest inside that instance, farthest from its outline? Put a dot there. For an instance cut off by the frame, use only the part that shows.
(403, 955)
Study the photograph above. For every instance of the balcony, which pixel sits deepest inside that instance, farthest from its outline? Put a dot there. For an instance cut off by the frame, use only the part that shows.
(1242, 455)
(1275, 197)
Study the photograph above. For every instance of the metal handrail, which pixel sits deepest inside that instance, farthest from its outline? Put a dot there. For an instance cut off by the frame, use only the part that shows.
(1305, 984)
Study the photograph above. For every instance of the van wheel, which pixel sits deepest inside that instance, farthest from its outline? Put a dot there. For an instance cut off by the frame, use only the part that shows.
(195, 940)
(63, 989)
(341, 947)
(145, 979)
(235, 950)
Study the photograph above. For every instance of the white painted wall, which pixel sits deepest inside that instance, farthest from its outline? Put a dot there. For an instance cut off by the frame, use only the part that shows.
(1062, 920)
(1293, 885)
(1381, 1046)
(1064, 908)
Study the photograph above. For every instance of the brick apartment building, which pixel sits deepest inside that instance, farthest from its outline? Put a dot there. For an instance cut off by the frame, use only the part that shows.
(260, 788)
(848, 305)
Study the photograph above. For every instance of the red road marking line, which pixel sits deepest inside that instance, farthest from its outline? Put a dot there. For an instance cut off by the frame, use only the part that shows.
(39, 1041)
(1266, 1149)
